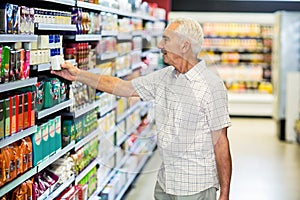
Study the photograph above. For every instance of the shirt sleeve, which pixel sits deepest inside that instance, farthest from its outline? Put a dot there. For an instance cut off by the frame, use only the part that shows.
(218, 115)
(146, 86)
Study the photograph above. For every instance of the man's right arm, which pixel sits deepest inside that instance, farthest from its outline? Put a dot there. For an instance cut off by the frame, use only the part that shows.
(109, 84)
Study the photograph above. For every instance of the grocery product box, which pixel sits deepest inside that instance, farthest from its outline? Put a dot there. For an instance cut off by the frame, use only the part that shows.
(12, 114)
(45, 140)
(2, 118)
(37, 146)
(58, 136)
(9, 18)
(51, 139)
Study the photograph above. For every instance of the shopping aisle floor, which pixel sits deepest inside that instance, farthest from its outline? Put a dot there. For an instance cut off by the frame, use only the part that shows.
(264, 168)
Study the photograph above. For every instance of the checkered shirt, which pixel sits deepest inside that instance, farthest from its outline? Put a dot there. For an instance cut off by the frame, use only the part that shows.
(188, 107)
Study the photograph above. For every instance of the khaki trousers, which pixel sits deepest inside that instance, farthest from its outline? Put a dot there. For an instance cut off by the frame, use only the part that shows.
(209, 194)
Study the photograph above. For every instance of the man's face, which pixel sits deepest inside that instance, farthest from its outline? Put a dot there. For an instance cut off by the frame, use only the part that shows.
(169, 44)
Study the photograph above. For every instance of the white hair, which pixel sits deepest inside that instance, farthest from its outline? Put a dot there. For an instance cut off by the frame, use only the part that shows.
(192, 30)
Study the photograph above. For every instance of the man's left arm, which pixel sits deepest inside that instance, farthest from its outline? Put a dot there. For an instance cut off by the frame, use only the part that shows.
(223, 161)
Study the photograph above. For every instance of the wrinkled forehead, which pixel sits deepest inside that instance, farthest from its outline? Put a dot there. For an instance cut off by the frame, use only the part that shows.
(171, 31)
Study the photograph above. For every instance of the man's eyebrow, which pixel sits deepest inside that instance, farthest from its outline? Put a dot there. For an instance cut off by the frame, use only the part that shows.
(165, 37)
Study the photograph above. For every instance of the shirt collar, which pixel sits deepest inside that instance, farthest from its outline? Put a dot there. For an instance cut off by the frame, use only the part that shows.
(195, 71)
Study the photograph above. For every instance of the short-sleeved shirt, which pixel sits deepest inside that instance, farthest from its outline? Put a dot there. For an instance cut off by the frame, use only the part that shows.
(188, 107)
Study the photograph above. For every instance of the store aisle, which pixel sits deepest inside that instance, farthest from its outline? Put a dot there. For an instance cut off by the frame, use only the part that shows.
(263, 167)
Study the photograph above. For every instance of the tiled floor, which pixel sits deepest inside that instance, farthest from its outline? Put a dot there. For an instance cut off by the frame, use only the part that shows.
(264, 168)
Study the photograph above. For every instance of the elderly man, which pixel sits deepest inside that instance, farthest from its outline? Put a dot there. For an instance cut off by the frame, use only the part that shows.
(191, 115)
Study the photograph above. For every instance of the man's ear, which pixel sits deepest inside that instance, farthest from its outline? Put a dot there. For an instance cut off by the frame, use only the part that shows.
(186, 45)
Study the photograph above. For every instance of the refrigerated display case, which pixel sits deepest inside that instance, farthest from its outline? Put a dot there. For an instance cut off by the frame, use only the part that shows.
(239, 47)
(286, 58)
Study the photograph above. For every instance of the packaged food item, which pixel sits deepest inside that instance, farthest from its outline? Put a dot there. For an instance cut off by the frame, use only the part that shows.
(58, 136)
(29, 152)
(13, 166)
(26, 67)
(39, 103)
(45, 140)
(29, 190)
(12, 114)
(5, 63)
(17, 153)
(2, 169)
(19, 112)
(7, 117)
(31, 108)
(1, 69)
(23, 191)
(2, 119)
(16, 19)
(8, 163)
(6, 18)
(26, 111)
(51, 140)
(37, 146)
(12, 66)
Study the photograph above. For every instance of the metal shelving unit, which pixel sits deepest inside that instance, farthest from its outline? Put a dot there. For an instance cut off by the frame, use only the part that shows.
(113, 10)
(55, 27)
(106, 109)
(17, 84)
(86, 170)
(7, 38)
(43, 113)
(61, 188)
(128, 112)
(18, 136)
(86, 108)
(14, 183)
(55, 157)
(86, 139)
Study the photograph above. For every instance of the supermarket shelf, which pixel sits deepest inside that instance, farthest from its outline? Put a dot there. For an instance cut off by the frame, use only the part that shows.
(18, 136)
(84, 172)
(88, 37)
(111, 131)
(137, 65)
(128, 112)
(106, 109)
(13, 184)
(58, 107)
(124, 36)
(131, 179)
(83, 37)
(138, 32)
(72, 61)
(94, 196)
(55, 157)
(44, 67)
(17, 84)
(63, 2)
(95, 70)
(113, 10)
(55, 27)
(234, 49)
(123, 72)
(86, 139)
(109, 33)
(86, 108)
(123, 139)
(61, 188)
(5, 38)
(152, 50)
(250, 104)
(106, 56)
(106, 180)
(134, 127)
